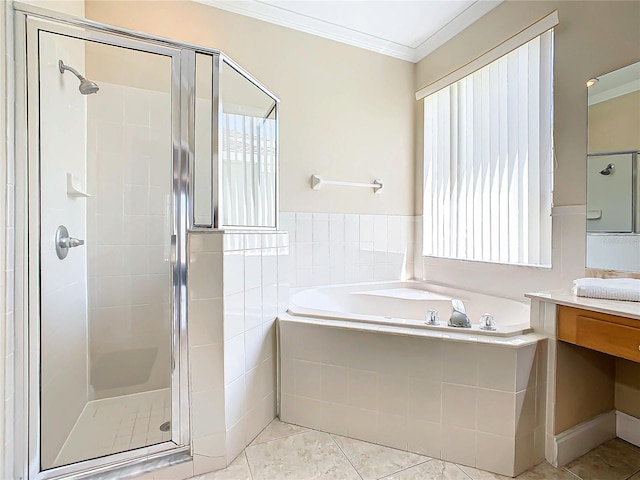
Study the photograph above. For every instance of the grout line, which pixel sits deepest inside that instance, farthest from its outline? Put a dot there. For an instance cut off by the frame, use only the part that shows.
(246, 459)
(565, 469)
(409, 468)
(632, 475)
(463, 472)
(428, 459)
(345, 456)
(279, 438)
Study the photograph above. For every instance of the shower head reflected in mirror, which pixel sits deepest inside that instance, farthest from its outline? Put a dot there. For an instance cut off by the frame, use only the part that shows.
(607, 170)
(86, 87)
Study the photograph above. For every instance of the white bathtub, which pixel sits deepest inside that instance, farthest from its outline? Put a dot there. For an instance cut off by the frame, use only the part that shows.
(405, 304)
(359, 361)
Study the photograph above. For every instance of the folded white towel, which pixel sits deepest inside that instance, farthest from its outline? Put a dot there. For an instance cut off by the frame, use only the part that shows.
(627, 289)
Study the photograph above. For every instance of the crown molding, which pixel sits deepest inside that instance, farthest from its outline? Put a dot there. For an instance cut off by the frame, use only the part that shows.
(614, 92)
(472, 14)
(285, 18)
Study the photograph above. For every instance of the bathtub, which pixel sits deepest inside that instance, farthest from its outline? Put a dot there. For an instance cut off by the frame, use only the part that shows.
(405, 304)
(358, 360)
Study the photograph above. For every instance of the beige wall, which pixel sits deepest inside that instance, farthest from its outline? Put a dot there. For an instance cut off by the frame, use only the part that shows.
(347, 113)
(584, 385)
(614, 125)
(68, 7)
(592, 38)
(589, 383)
(627, 396)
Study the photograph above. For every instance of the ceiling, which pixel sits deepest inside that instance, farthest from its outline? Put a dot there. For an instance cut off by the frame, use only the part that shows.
(408, 30)
(615, 84)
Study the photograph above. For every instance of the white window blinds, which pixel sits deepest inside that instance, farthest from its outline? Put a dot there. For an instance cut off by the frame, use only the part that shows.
(248, 157)
(488, 161)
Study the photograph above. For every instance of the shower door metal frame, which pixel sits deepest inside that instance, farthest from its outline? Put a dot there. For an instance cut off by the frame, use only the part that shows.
(28, 22)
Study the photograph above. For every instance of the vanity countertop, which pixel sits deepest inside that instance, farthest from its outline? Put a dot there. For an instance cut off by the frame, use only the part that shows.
(612, 307)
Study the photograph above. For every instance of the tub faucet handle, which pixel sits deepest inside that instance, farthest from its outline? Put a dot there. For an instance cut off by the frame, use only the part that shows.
(432, 317)
(487, 322)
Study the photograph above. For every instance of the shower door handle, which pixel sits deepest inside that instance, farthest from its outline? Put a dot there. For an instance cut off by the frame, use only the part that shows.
(64, 242)
(173, 254)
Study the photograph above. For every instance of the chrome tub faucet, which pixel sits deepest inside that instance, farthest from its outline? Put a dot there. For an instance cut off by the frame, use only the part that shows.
(459, 315)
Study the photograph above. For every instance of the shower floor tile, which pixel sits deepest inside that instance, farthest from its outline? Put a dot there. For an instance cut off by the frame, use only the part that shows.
(113, 425)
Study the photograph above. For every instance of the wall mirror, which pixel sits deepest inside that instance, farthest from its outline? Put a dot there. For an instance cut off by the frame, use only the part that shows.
(613, 171)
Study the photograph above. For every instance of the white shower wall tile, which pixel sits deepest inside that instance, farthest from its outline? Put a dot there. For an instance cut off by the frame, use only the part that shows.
(347, 248)
(233, 241)
(234, 359)
(336, 228)
(288, 224)
(240, 391)
(128, 171)
(303, 227)
(320, 226)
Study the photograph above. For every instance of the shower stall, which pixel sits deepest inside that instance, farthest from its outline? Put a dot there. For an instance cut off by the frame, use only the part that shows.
(127, 142)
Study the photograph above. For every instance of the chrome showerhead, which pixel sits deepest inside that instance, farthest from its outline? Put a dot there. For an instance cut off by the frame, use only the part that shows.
(86, 87)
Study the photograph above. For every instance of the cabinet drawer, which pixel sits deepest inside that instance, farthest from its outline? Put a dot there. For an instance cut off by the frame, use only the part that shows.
(610, 334)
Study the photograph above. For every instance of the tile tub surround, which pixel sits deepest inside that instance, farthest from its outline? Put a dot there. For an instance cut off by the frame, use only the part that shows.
(283, 447)
(237, 286)
(479, 405)
(328, 248)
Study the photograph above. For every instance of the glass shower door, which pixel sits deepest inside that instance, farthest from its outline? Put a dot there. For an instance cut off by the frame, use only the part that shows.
(106, 223)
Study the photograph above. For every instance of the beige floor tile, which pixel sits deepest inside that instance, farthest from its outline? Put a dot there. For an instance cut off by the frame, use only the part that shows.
(633, 447)
(476, 474)
(431, 470)
(544, 471)
(614, 460)
(309, 455)
(238, 470)
(277, 429)
(375, 461)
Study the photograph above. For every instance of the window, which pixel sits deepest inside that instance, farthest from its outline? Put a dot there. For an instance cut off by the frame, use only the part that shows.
(488, 161)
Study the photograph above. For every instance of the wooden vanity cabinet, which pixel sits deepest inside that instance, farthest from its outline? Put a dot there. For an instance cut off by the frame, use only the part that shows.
(618, 336)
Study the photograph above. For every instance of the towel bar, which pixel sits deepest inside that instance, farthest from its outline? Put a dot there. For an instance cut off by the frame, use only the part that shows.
(317, 182)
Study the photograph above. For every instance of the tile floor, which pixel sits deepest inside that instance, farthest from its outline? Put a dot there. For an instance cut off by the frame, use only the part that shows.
(117, 424)
(283, 451)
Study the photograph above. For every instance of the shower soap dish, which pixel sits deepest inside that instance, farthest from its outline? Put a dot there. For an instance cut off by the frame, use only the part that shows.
(73, 187)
